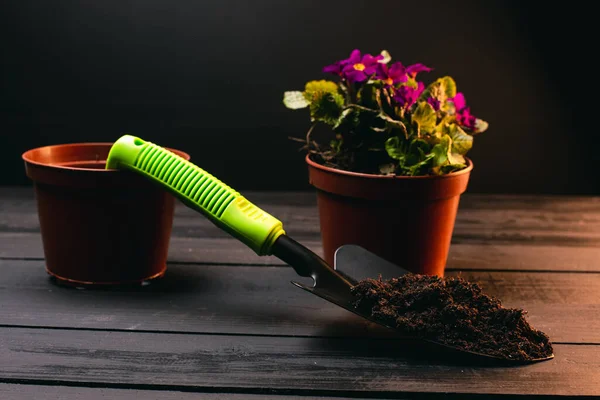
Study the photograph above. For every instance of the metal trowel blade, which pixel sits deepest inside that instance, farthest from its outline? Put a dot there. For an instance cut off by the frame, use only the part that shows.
(353, 263)
(358, 263)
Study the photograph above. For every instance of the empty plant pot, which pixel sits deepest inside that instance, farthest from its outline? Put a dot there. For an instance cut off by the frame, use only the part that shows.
(407, 220)
(98, 227)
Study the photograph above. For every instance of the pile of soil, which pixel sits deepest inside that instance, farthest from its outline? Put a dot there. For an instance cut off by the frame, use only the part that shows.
(452, 311)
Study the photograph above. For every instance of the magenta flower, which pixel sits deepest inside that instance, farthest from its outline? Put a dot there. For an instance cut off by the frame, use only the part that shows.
(335, 68)
(463, 113)
(413, 70)
(466, 119)
(459, 101)
(392, 75)
(433, 102)
(406, 95)
(356, 68)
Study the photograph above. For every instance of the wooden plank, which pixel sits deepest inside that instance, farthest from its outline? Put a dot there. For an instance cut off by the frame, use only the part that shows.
(481, 219)
(261, 300)
(497, 219)
(306, 365)
(15, 197)
(181, 249)
(534, 202)
(45, 392)
(466, 256)
(463, 256)
(471, 226)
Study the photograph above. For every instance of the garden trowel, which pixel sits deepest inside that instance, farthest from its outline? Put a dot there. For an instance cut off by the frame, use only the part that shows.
(260, 231)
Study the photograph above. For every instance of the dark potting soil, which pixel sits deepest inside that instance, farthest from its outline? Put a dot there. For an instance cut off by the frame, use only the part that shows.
(452, 311)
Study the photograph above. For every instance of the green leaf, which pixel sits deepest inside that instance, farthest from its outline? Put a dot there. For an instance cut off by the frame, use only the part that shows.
(417, 150)
(418, 158)
(393, 123)
(386, 57)
(456, 159)
(347, 118)
(320, 86)
(446, 169)
(336, 145)
(441, 89)
(413, 158)
(326, 107)
(387, 169)
(441, 127)
(441, 151)
(295, 100)
(325, 100)
(424, 116)
(480, 126)
(444, 153)
(448, 86)
(395, 148)
(419, 144)
(418, 168)
(461, 141)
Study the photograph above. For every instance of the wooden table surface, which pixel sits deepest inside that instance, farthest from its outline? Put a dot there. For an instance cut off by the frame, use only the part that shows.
(227, 324)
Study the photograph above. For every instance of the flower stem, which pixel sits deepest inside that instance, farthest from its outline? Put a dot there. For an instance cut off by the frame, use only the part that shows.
(308, 135)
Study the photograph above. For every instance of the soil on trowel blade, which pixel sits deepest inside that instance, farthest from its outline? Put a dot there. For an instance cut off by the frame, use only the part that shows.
(452, 311)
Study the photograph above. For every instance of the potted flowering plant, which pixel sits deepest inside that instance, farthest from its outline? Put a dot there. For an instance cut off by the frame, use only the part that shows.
(391, 176)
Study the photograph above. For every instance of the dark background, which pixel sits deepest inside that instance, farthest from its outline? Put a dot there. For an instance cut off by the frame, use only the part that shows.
(207, 77)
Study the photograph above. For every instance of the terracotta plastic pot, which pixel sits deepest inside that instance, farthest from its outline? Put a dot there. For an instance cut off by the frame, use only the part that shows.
(98, 227)
(406, 220)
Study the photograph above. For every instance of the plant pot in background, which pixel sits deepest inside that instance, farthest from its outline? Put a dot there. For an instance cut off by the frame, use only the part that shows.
(98, 227)
(406, 220)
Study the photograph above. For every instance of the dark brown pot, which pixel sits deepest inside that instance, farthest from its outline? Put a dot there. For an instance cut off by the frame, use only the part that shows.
(98, 227)
(407, 220)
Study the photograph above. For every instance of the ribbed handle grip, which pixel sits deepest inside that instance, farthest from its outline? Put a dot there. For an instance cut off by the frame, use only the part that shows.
(199, 190)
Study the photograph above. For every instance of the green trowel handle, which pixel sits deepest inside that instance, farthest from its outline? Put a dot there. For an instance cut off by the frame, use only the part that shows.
(199, 190)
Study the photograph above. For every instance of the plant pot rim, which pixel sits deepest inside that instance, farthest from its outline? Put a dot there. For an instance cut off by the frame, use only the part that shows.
(463, 171)
(28, 156)
(59, 164)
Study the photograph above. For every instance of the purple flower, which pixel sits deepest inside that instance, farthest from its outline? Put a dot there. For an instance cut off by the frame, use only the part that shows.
(396, 73)
(463, 113)
(433, 102)
(335, 68)
(356, 68)
(406, 95)
(413, 70)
